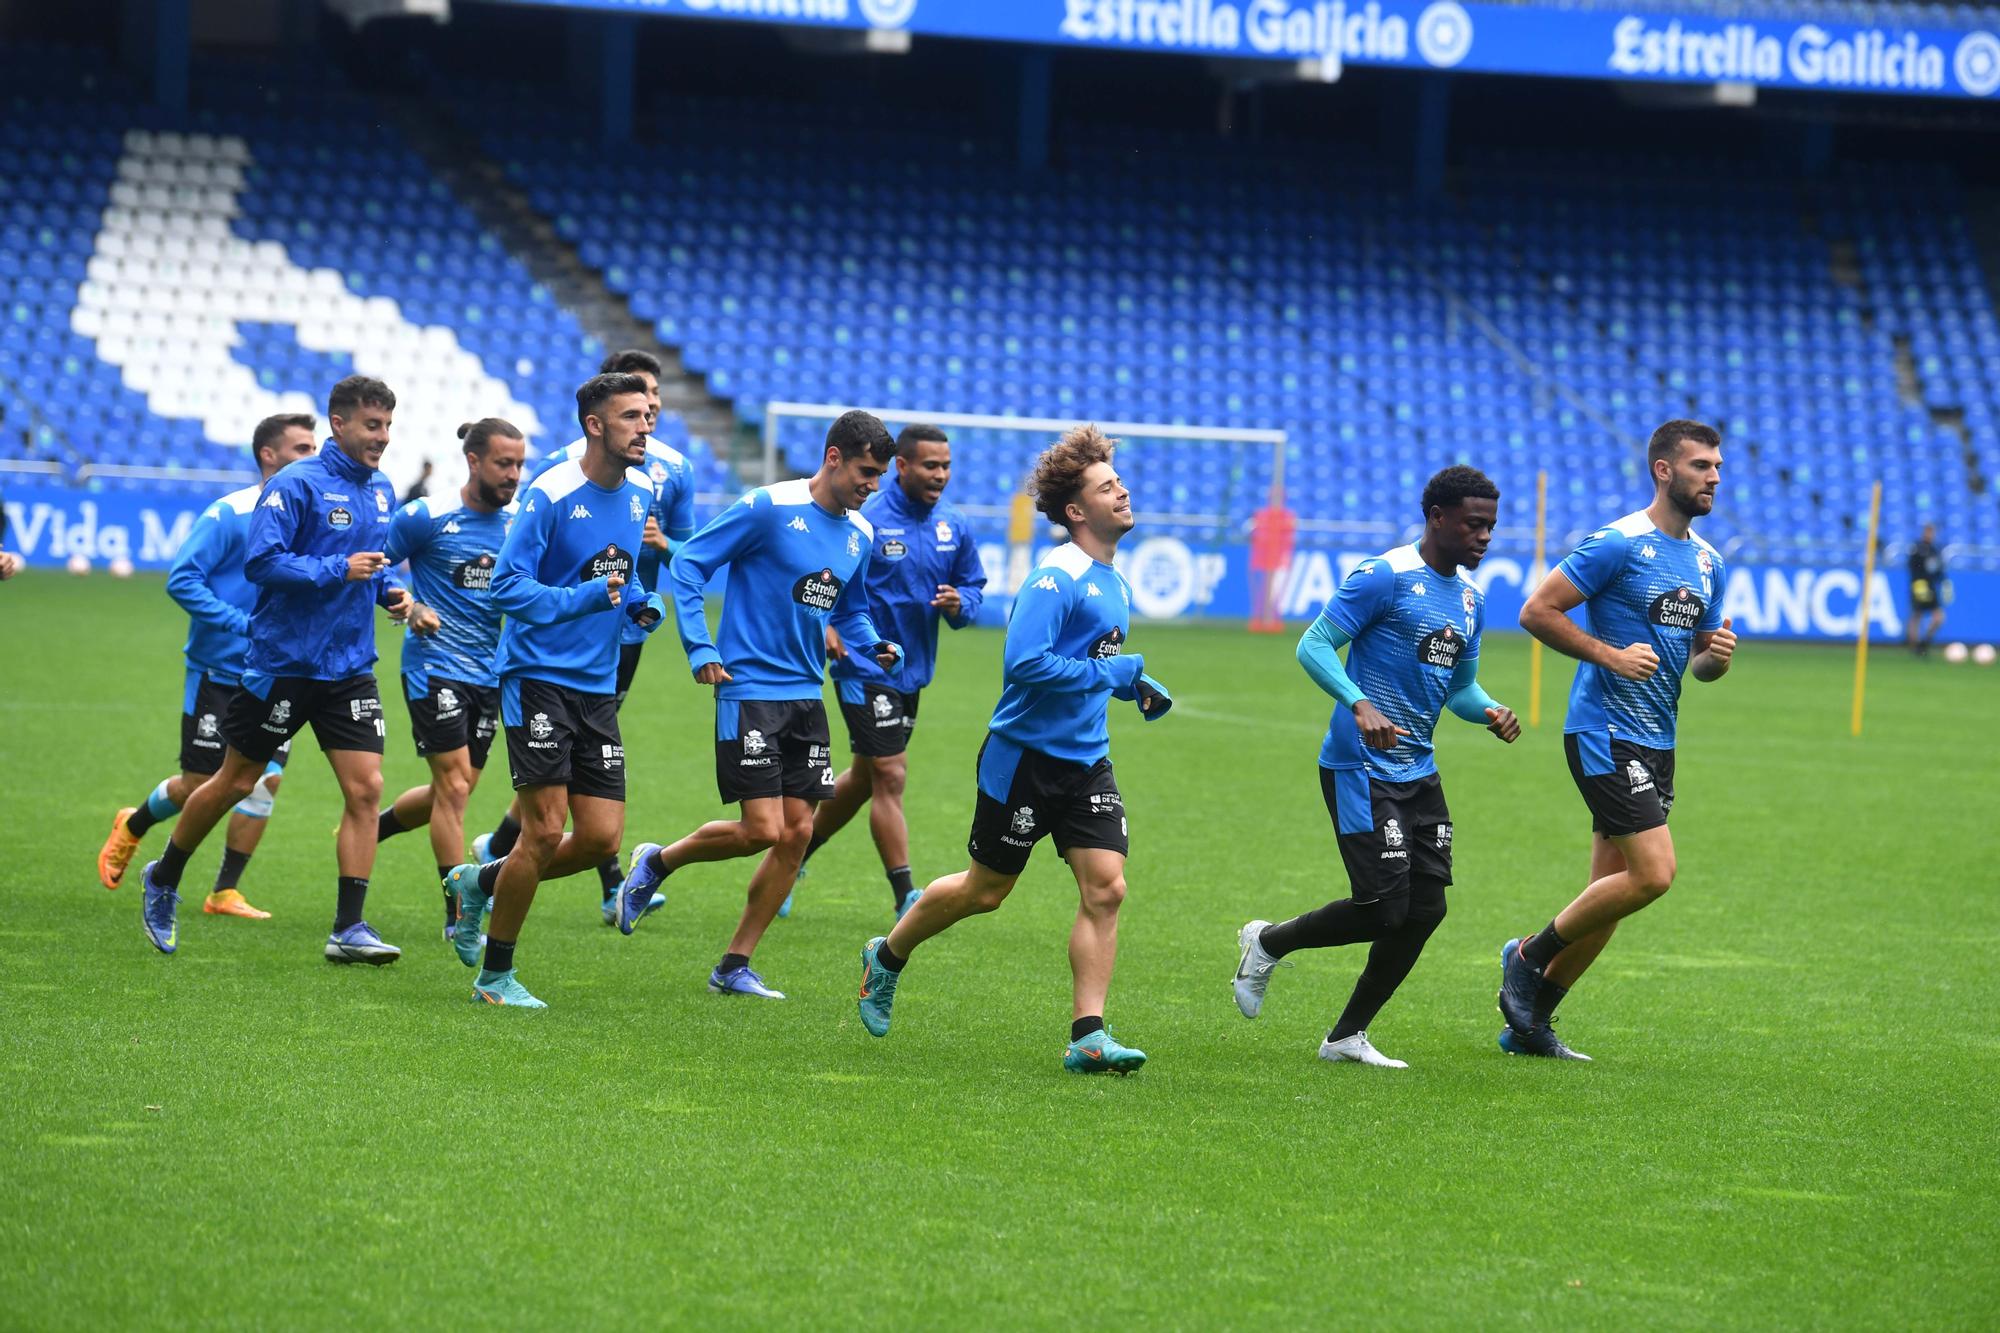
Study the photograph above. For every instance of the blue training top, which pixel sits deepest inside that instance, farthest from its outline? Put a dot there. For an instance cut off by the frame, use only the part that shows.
(672, 508)
(1640, 586)
(916, 549)
(206, 579)
(1064, 659)
(793, 567)
(452, 557)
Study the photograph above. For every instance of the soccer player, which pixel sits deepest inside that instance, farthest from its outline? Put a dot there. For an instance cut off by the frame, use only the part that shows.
(668, 522)
(1414, 620)
(1046, 765)
(448, 678)
(797, 554)
(567, 582)
(1927, 589)
(1652, 589)
(207, 580)
(314, 551)
(924, 568)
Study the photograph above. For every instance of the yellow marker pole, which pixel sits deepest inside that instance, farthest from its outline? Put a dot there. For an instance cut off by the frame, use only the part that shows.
(1867, 579)
(1534, 644)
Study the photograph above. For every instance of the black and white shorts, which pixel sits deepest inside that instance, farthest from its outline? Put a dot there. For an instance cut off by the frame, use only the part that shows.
(560, 737)
(452, 715)
(1629, 788)
(879, 719)
(1039, 795)
(203, 708)
(1389, 832)
(345, 715)
(772, 747)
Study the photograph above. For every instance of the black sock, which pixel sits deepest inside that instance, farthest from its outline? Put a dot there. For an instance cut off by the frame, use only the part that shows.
(1542, 949)
(731, 961)
(1389, 961)
(886, 958)
(450, 898)
(1337, 923)
(387, 825)
(167, 872)
(504, 837)
(1546, 1000)
(499, 955)
(489, 875)
(141, 818)
(812, 846)
(1079, 1028)
(233, 862)
(609, 877)
(347, 907)
(900, 886)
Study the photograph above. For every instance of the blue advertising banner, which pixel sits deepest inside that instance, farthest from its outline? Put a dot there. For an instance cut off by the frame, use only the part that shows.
(1599, 43)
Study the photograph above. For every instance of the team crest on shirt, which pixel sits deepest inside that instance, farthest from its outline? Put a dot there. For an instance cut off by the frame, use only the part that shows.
(1442, 647)
(1703, 563)
(1469, 600)
(1678, 609)
(540, 727)
(853, 543)
(382, 501)
(943, 531)
(658, 471)
(817, 592)
(638, 509)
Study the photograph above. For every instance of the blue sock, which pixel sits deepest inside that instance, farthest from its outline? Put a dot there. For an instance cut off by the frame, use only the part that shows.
(158, 806)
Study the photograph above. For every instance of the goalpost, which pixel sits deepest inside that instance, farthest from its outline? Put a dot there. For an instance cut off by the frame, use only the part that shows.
(1197, 492)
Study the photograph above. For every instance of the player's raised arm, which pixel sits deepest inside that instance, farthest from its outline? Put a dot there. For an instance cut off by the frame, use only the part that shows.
(517, 590)
(697, 561)
(1585, 571)
(274, 524)
(1030, 657)
(190, 579)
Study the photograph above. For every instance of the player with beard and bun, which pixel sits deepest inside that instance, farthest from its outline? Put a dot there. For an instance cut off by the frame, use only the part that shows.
(1414, 620)
(669, 522)
(567, 581)
(207, 581)
(314, 550)
(797, 555)
(1652, 589)
(449, 680)
(1046, 765)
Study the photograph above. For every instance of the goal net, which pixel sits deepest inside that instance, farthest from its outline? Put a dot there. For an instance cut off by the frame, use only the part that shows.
(1197, 493)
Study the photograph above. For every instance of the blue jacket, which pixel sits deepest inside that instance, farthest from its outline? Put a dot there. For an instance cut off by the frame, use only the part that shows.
(310, 621)
(207, 581)
(916, 549)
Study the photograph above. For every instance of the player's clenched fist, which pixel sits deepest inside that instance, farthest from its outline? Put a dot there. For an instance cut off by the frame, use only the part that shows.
(365, 565)
(1722, 643)
(1376, 730)
(612, 585)
(1501, 722)
(713, 673)
(1637, 662)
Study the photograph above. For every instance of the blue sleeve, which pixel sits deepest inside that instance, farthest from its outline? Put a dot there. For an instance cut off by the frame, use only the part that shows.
(1319, 653)
(409, 532)
(268, 557)
(1031, 658)
(1711, 617)
(680, 506)
(697, 561)
(968, 575)
(849, 616)
(1464, 697)
(207, 545)
(1362, 598)
(518, 592)
(1595, 562)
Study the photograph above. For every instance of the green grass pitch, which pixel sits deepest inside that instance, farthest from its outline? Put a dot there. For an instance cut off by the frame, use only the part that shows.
(1791, 1121)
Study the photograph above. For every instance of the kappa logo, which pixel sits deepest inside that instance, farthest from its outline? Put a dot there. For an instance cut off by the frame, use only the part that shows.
(540, 727)
(281, 714)
(882, 705)
(1641, 779)
(274, 501)
(579, 512)
(447, 701)
(753, 742)
(1392, 833)
(1046, 584)
(1648, 551)
(206, 727)
(1092, 590)
(451, 525)
(798, 525)
(1024, 819)
(638, 509)
(1417, 588)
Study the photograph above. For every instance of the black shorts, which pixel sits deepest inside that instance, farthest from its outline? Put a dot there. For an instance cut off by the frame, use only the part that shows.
(453, 715)
(202, 712)
(1629, 788)
(560, 737)
(1389, 832)
(879, 719)
(345, 715)
(628, 666)
(772, 747)
(1078, 804)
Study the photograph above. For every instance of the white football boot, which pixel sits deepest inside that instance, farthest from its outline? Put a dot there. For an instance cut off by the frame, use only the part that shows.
(1360, 1050)
(1253, 970)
